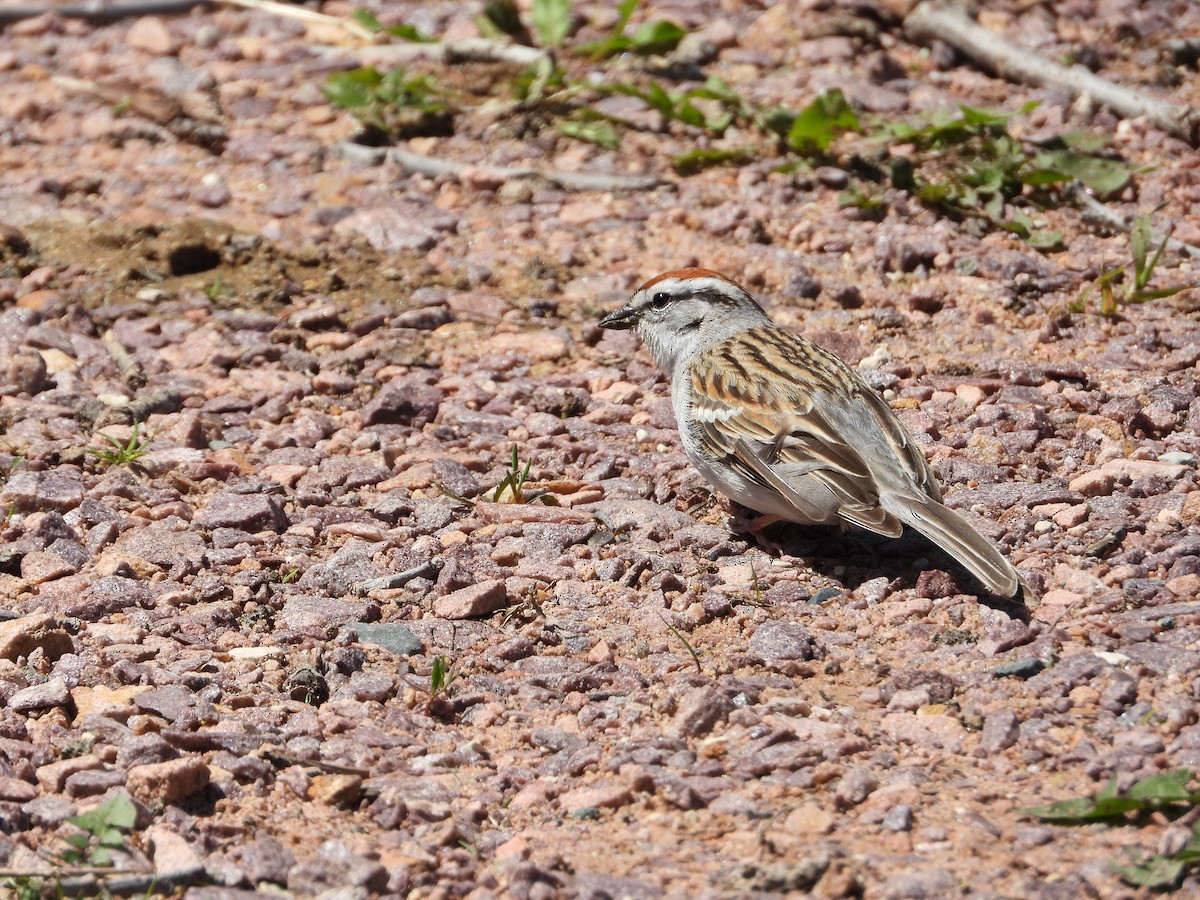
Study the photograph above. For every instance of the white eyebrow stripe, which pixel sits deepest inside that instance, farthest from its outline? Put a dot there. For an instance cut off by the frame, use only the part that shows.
(672, 285)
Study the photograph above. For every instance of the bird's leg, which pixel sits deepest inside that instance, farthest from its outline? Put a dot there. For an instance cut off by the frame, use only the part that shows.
(755, 527)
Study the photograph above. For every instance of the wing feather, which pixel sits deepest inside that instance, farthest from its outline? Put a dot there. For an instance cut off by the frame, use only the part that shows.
(785, 431)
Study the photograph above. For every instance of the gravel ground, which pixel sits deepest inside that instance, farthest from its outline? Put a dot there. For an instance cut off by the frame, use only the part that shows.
(332, 362)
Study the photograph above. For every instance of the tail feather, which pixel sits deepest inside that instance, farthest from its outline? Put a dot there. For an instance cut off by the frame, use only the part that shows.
(954, 534)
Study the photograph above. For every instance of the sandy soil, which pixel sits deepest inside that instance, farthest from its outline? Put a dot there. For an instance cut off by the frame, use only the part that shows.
(330, 361)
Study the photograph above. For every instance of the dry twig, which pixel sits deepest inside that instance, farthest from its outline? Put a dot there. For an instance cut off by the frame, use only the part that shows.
(99, 12)
(935, 20)
(1098, 213)
(308, 16)
(433, 167)
(448, 52)
(131, 370)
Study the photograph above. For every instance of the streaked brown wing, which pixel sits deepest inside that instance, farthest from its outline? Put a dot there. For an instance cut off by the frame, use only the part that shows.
(778, 407)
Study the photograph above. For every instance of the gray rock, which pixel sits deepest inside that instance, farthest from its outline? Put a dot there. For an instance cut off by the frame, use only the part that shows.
(108, 595)
(334, 866)
(1000, 731)
(40, 696)
(93, 782)
(396, 637)
(930, 884)
(321, 616)
(249, 512)
(403, 401)
(49, 811)
(173, 702)
(1021, 668)
(339, 576)
(31, 491)
(657, 519)
(143, 749)
(265, 859)
(163, 546)
(898, 818)
(854, 787)
(783, 641)
(700, 711)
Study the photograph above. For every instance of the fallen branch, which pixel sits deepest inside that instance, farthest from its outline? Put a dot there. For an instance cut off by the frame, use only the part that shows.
(935, 20)
(99, 12)
(432, 167)
(449, 52)
(131, 370)
(309, 16)
(283, 760)
(1094, 210)
(428, 569)
(90, 881)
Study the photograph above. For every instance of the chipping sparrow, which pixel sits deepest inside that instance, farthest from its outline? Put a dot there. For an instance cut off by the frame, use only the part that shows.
(787, 428)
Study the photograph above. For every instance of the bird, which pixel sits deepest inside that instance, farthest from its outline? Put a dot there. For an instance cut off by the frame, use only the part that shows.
(788, 429)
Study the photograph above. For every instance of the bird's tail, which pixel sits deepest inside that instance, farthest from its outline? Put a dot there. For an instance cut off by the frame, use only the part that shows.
(954, 534)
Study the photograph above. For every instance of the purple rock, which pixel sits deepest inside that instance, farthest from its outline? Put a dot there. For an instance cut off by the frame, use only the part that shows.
(40, 696)
(265, 859)
(783, 641)
(335, 867)
(29, 491)
(249, 512)
(1000, 731)
(403, 401)
(701, 711)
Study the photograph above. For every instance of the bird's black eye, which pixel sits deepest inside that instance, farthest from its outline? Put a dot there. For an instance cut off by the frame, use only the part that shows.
(660, 300)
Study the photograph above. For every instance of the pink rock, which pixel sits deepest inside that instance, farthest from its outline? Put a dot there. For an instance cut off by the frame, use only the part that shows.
(1071, 516)
(150, 33)
(167, 782)
(604, 796)
(20, 637)
(473, 601)
(927, 732)
(1143, 468)
(15, 790)
(52, 776)
(1097, 483)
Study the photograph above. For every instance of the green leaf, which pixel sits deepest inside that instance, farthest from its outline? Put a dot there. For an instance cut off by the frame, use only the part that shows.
(1148, 794)
(552, 20)
(1155, 872)
(855, 196)
(405, 32)
(1045, 240)
(716, 89)
(820, 123)
(657, 37)
(503, 17)
(697, 160)
(688, 114)
(624, 12)
(116, 812)
(354, 89)
(599, 133)
(1170, 787)
(1104, 176)
(778, 119)
(1147, 294)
